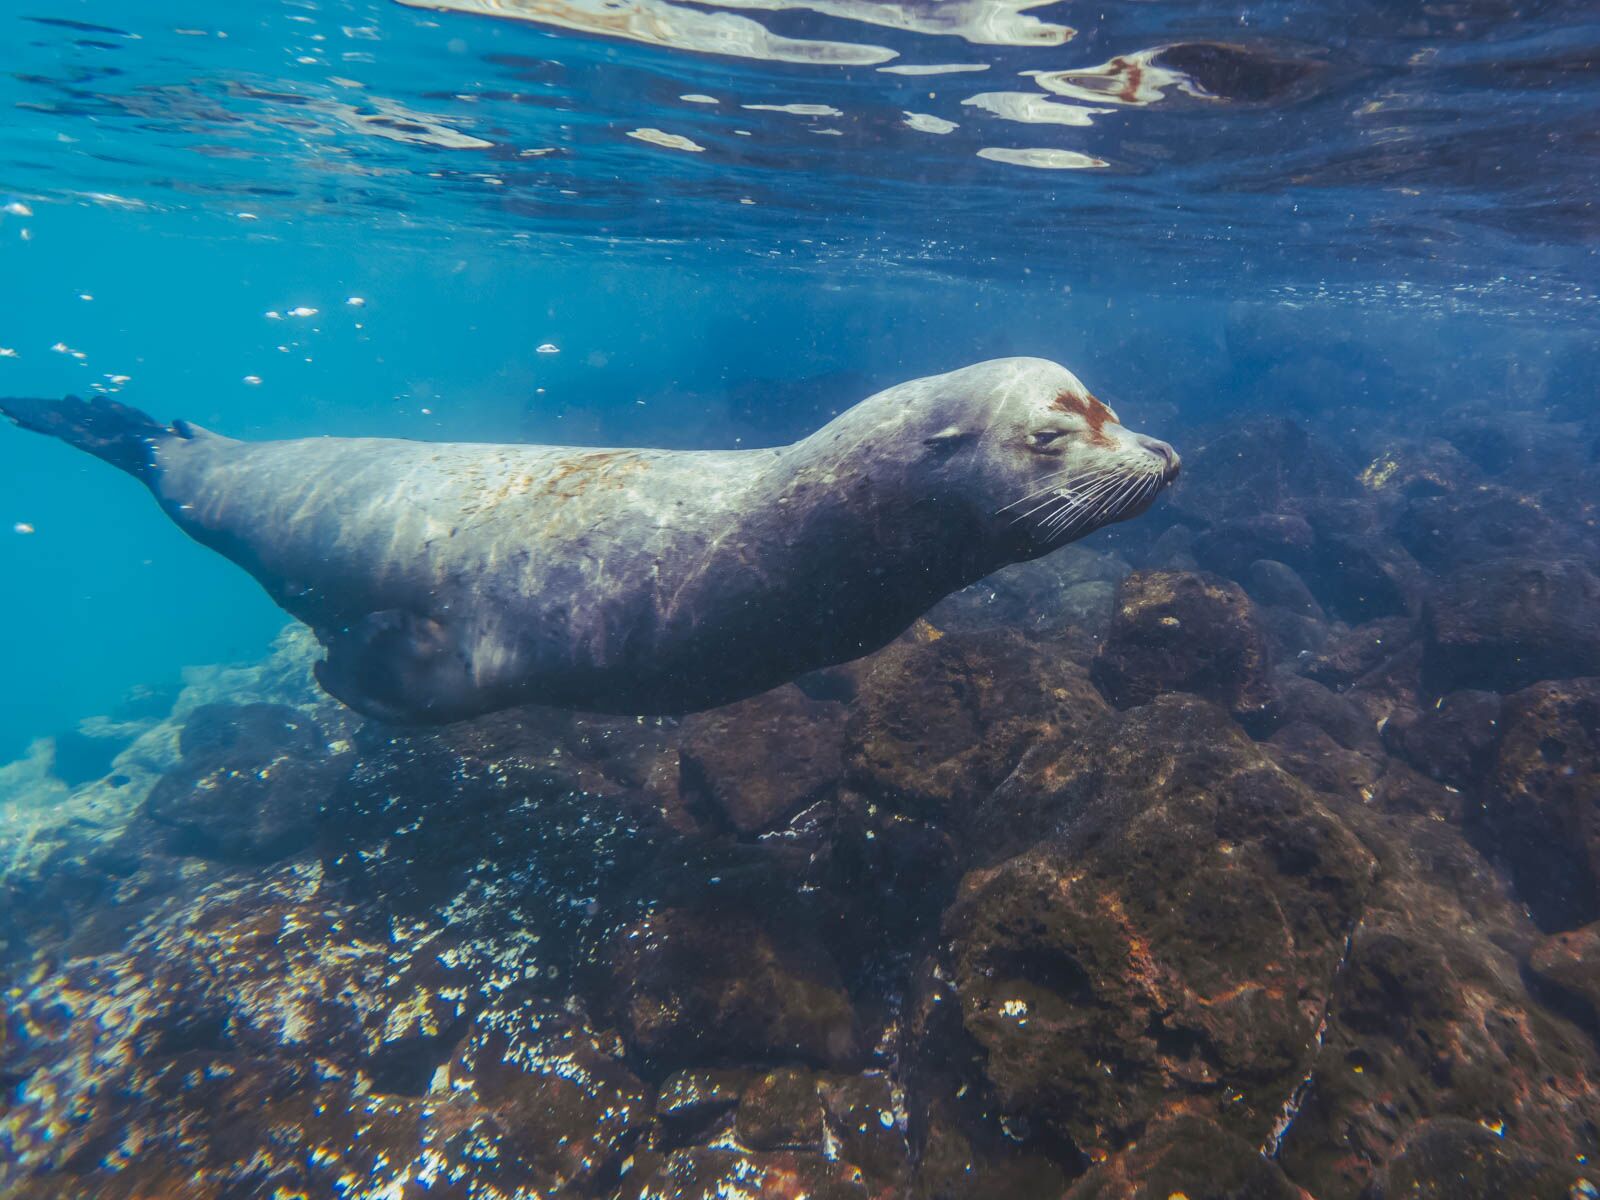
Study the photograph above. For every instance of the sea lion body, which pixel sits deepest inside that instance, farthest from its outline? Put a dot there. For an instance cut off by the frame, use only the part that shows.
(452, 579)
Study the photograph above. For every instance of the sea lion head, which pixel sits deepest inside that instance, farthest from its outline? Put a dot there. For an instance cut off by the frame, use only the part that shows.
(1050, 460)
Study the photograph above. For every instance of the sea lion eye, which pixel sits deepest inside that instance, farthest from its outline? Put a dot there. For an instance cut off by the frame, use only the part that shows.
(1044, 437)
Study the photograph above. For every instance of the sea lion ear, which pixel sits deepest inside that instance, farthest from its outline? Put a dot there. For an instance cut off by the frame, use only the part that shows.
(950, 438)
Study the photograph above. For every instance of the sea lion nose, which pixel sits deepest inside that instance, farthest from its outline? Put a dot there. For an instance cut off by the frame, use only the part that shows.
(1171, 463)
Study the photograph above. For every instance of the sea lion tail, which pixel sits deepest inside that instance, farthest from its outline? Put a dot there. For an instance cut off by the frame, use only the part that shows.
(123, 436)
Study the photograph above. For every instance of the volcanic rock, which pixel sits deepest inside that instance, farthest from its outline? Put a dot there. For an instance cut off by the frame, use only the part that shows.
(1543, 806)
(1174, 943)
(709, 987)
(1360, 651)
(1455, 1159)
(753, 762)
(1185, 632)
(938, 723)
(1190, 1157)
(1570, 962)
(781, 1110)
(248, 788)
(1453, 741)
(1505, 624)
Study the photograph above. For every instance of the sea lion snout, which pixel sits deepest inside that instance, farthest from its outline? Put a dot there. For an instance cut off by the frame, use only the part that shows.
(1171, 463)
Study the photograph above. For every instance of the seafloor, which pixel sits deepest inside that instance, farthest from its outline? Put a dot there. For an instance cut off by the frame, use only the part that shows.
(1252, 852)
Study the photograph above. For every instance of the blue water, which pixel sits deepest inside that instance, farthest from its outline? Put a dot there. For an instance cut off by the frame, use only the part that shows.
(1412, 184)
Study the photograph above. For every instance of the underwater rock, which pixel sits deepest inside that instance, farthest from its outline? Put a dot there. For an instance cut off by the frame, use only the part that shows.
(1276, 584)
(1362, 576)
(1455, 1159)
(1185, 632)
(752, 763)
(46, 828)
(705, 1173)
(1230, 546)
(689, 1103)
(781, 1110)
(1543, 805)
(710, 987)
(1360, 651)
(1171, 947)
(1431, 1018)
(265, 1032)
(1255, 466)
(1191, 1157)
(1505, 624)
(1453, 740)
(1318, 760)
(1570, 962)
(1326, 740)
(1415, 468)
(250, 783)
(1172, 551)
(551, 1098)
(1475, 525)
(1335, 713)
(867, 1125)
(492, 818)
(937, 723)
(1291, 636)
(1069, 588)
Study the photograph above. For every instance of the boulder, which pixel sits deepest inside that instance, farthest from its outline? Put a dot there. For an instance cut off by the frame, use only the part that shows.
(1278, 585)
(937, 723)
(1453, 740)
(708, 987)
(1504, 624)
(1172, 945)
(1230, 546)
(705, 1173)
(1431, 1018)
(1476, 524)
(1356, 653)
(781, 1110)
(1542, 811)
(1570, 963)
(249, 784)
(1455, 1159)
(753, 763)
(1414, 468)
(1189, 1157)
(1259, 465)
(1069, 589)
(1177, 631)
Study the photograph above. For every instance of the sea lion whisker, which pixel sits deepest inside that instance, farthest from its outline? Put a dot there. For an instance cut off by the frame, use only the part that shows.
(1055, 494)
(1050, 485)
(1076, 510)
(1105, 481)
(1057, 503)
(1074, 504)
(1115, 500)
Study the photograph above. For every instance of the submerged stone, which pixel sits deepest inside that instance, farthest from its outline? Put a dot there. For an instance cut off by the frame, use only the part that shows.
(1186, 632)
(1506, 624)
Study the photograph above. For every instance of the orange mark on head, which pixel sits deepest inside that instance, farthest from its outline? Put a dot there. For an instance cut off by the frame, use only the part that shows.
(1131, 80)
(1091, 410)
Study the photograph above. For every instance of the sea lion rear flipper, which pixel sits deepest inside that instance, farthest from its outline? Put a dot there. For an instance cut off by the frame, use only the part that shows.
(108, 429)
(400, 667)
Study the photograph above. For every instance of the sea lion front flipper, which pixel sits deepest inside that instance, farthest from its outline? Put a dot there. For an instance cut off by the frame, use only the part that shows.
(398, 666)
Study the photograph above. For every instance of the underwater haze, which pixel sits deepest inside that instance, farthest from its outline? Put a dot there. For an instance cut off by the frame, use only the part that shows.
(1249, 848)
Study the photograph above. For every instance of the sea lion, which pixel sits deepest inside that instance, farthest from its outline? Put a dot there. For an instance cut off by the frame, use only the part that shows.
(448, 580)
